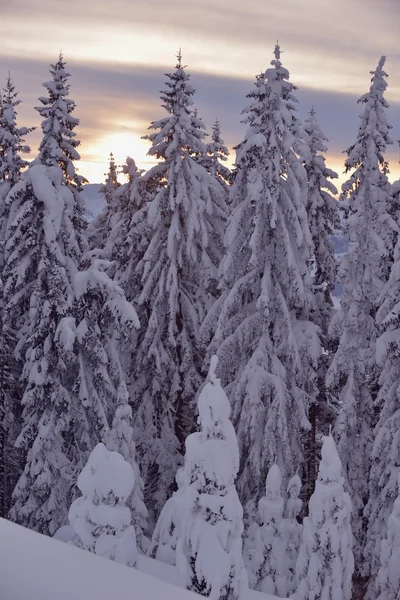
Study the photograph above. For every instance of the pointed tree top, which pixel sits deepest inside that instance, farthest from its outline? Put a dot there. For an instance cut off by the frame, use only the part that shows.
(273, 483)
(179, 57)
(330, 469)
(277, 51)
(211, 372)
(312, 112)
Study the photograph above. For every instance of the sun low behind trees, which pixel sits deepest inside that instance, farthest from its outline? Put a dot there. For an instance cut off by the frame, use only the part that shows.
(108, 330)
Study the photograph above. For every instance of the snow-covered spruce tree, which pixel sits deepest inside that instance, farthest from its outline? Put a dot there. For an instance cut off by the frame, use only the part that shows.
(325, 564)
(42, 254)
(388, 580)
(353, 375)
(323, 219)
(111, 182)
(129, 236)
(385, 457)
(269, 567)
(100, 518)
(165, 535)
(267, 344)
(59, 143)
(100, 228)
(101, 319)
(120, 438)
(44, 245)
(12, 145)
(179, 270)
(217, 154)
(294, 531)
(209, 549)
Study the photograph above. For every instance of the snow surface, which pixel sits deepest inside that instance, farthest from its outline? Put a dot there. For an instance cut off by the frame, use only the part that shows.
(54, 570)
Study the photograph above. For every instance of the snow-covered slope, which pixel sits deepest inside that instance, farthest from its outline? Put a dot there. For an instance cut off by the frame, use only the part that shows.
(35, 567)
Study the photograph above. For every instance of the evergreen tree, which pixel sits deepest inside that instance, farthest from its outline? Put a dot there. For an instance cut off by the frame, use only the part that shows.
(111, 183)
(12, 145)
(101, 319)
(44, 245)
(42, 254)
(165, 535)
(217, 154)
(100, 229)
(59, 143)
(294, 530)
(268, 346)
(269, 561)
(352, 376)
(325, 564)
(209, 548)
(120, 438)
(385, 457)
(322, 210)
(178, 271)
(388, 581)
(100, 518)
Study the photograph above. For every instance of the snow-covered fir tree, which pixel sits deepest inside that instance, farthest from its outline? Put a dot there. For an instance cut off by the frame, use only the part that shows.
(294, 530)
(217, 154)
(353, 376)
(59, 143)
(178, 272)
(165, 535)
(12, 142)
(101, 319)
(42, 254)
(100, 518)
(209, 549)
(385, 457)
(99, 230)
(129, 237)
(325, 564)
(44, 245)
(120, 438)
(267, 344)
(268, 562)
(388, 580)
(12, 146)
(322, 211)
(111, 182)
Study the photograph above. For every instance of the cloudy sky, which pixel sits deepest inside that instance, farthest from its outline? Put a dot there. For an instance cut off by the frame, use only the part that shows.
(117, 53)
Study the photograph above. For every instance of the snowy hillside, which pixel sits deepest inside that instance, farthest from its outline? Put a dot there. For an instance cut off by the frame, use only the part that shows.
(55, 570)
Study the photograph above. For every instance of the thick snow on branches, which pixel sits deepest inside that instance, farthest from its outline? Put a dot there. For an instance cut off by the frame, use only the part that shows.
(209, 548)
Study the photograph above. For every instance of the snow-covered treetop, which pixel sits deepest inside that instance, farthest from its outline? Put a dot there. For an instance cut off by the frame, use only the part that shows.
(368, 152)
(11, 137)
(330, 470)
(106, 475)
(213, 404)
(59, 143)
(217, 154)
(111, 182)
(273, 483)
(182, 129)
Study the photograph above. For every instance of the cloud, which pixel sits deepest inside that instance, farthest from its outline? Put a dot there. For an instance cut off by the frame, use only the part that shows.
(331, 45)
